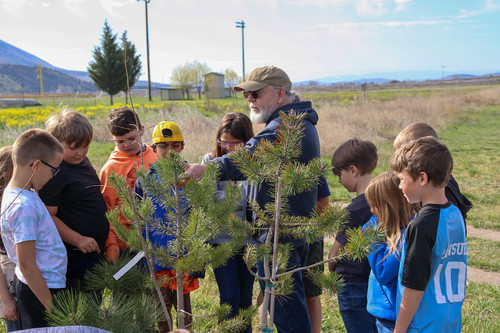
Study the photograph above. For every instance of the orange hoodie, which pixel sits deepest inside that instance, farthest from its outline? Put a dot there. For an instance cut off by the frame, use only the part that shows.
(124, 165)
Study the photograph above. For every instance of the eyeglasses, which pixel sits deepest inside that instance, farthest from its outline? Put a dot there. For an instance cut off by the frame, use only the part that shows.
(228, 144)
(257, 93)
(54, 170)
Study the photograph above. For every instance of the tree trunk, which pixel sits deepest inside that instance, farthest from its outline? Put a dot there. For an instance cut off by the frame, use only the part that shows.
(111, 99)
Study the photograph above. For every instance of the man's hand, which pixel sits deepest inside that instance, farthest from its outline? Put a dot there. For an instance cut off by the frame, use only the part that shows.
(195, 170)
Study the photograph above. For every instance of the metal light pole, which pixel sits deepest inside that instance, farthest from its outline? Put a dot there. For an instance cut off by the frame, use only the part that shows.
(147, 47)
(22, 92)
(242, 26)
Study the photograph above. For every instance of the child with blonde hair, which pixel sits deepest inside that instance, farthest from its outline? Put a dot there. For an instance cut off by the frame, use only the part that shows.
(392, 212)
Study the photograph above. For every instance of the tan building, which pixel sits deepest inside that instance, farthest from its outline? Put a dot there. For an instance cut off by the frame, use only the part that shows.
(214, 87)
(171, 93)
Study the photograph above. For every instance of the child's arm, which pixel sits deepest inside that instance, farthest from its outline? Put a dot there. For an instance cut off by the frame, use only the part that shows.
(409, 305)
(9, 304)
(334, 251)
(26, 257)
(68, 235)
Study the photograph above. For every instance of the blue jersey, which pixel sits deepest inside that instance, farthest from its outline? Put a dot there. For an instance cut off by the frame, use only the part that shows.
(434, 260)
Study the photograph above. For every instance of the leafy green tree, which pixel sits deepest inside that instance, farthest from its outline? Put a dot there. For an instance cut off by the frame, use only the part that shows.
(182, 78)
(232, 79)
(107, 69)
(134, 64)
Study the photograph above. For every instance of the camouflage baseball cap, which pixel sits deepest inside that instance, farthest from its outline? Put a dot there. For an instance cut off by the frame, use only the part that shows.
(263, 76)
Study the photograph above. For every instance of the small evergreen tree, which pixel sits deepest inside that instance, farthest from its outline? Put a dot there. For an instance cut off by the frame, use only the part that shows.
(195, 215)
(276, 164)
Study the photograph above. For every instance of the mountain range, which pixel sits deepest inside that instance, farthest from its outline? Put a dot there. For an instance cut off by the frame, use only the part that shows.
(19, 70)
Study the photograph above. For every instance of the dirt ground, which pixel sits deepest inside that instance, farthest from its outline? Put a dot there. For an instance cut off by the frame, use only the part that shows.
(477, 274)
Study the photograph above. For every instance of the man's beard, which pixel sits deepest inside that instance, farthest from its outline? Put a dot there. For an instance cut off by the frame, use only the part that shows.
(259, 118)
(263, 116)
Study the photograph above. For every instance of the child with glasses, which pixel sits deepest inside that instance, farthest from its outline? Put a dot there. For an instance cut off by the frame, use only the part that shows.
(234, 280)
(73, 196)
(28, 231)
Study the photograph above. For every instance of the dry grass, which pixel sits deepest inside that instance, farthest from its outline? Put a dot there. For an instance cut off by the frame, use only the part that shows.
(381, 121)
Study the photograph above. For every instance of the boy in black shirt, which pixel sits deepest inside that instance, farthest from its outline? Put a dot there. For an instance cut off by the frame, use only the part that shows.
(419, 130)
(73, 197)
(354, 162)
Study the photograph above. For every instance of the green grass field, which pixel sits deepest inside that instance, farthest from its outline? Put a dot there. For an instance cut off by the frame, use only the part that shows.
(474, 140)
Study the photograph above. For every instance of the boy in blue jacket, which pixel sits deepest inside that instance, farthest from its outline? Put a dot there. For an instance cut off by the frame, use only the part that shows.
(167, 137)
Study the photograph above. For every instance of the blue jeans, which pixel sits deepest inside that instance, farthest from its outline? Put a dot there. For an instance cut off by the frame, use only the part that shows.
(235, 285)
(352, 306)
(385, 326)
(290, 311)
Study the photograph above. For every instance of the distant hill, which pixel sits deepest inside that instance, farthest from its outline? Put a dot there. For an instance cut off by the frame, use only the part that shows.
(54, 81)
(20, 67)
(384, 77)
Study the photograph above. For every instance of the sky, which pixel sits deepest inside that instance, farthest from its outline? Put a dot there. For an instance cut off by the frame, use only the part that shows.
(309, 39)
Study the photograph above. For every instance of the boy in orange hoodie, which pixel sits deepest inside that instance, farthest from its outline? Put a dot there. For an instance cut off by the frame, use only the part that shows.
(126, 130)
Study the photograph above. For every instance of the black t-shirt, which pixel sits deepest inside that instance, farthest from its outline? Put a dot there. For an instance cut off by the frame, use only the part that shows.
(359, 214)
(76, 191)
(457, 198)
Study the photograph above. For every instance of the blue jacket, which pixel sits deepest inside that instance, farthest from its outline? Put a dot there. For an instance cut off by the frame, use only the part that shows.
(299, 205)
(383, 279)
(159, 237)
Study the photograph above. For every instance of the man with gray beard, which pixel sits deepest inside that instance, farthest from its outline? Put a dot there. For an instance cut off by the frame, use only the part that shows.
(268, 92)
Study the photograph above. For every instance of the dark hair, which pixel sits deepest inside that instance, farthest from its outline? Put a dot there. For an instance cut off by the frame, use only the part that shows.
(424, 155)
(238, 125)
(70, 126)
(360, 153)
(35, 144)
(123, 120)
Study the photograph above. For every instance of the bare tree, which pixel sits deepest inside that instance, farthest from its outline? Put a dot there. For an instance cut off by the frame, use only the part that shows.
(231, 79)
(182, 78)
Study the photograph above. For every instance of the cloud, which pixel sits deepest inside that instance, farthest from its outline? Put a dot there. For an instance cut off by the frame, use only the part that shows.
(74, 7)
(110, 6)
(363, 26)
(362, 7)
(14, 8)
(489, 6)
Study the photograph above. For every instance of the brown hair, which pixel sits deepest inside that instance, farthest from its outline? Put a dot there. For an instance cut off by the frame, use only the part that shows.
(390, 207)
(424, 155)
(6, 168)
(35, 144)
(238, 125)
(70, 126)
(123, 120)
(360, 153)
(413, 132)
